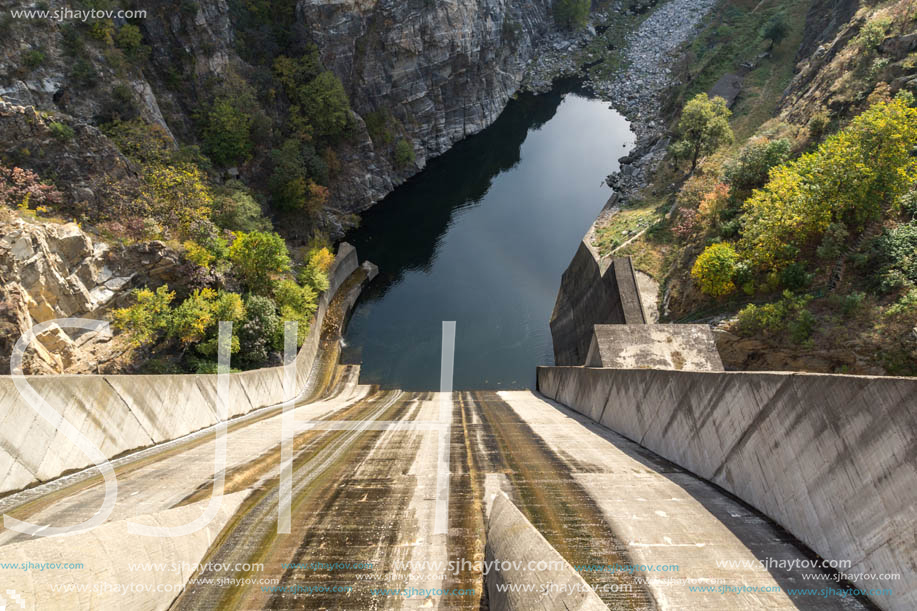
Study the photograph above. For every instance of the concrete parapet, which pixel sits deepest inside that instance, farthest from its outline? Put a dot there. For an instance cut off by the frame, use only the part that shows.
(593, 290)
(682, 347)
(119, 413)
(127, 572)
(514, 542)
(831, 458)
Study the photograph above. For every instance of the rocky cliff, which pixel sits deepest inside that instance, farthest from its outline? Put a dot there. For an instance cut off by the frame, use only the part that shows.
(434, 72)
(444, 70)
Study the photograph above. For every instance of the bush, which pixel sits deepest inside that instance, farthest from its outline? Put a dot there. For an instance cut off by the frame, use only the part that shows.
(852, 178)
(258, 258)
(776, 29)
(897, 257)
(790, 313)
(848, 304)
(326, 104)
(315, 273)
(872, 34)
(715, 268)
(750, 170)
(818, 125)
(298, 170)
(21, 188)
(235, 209)
(227, 133)
(572, 14)
(702, 129)
(61, 131)
(33, 58)
(144, 321)
(296, 304)
(404, 154)
(261, 332)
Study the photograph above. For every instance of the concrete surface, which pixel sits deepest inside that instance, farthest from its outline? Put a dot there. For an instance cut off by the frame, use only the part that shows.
(831, 458)
(123, 413)
(364, 490)
(512, 538)
(682, 347)
(593, 291)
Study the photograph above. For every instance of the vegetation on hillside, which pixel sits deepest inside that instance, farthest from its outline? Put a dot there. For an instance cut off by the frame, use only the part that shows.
(802, 234)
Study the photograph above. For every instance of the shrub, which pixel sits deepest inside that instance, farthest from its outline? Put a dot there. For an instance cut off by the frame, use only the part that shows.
(818, 125)
(776, 29)
(326, 104)
(848, 304)
(227, 133)
(148, 317)
(377, 124)
(33, 58)
(702, 129)
(897, 257)
(129, 39)
(315, 273)
(852, 178)
(20, 187)
(296, 304)
(872, 34)
(235, 209)
(751, 168)
(61, 131)
(572, 14)
(715, 268)
(790, 313)
(404, 154)
(258, 258)
(262, 330)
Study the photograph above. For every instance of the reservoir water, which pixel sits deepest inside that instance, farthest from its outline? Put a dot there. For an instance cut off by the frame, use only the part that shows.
(482, 237)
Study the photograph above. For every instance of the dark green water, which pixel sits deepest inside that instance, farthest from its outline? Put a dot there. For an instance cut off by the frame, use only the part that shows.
(482, 237)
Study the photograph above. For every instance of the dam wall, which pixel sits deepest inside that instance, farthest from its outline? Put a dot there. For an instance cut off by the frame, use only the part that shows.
(120, 413)
(831, 458)
(515, 547)
(594, 290)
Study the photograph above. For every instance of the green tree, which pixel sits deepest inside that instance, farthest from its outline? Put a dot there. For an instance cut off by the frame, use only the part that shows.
(852, 178)
(715, 269)
(315, 273)
(235, 209)
(258, 258)
(404, 154)
(776, 29)
(261, 332)
(227, 133)
(296, 304)
(148, 317)
(326, 104)
(703, 128)
(572, 14)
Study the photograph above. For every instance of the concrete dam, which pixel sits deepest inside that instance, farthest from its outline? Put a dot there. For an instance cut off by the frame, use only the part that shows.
(644, 477)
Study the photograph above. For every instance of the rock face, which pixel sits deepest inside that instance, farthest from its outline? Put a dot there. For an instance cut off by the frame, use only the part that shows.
(441, 70)
(50, 271)
(444, 70)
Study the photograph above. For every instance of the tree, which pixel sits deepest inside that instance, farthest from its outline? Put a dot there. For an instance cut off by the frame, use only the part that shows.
(326, 104)
(572, 14)
(227, 133)
(750, 170)
(776, 29)
(261, 331)
(852, 178)
(703, 128)
(148, 317)
(715, 269)
(315, 274)
(258, 258)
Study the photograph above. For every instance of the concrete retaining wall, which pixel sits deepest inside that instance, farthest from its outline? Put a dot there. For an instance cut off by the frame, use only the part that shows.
(831, 458)
(593, 290)
(513, 539)
(123, 413)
